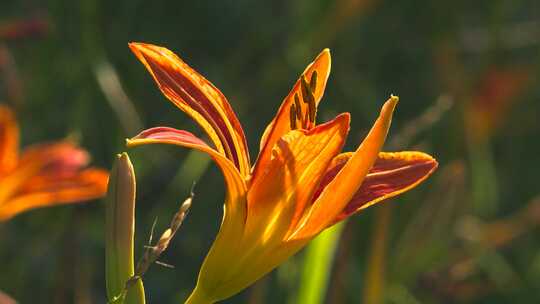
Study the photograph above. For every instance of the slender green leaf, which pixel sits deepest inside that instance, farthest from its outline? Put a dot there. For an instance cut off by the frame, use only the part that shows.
(317, 266)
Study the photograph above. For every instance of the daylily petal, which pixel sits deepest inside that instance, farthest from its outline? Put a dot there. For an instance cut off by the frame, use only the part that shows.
(58, 158)
(9, 140)
(12, 182)
(235, 183)
(5, 299)
(165, 135)
(62, 158)
(341, 189)
(198, 98)
(85, 185)
(280, 125)
(286, 186)
(391, 175)
(234, 213)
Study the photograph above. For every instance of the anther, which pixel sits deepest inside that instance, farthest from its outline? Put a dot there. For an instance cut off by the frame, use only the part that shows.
(307, 95)
(313, 81)
(305, 122)
(312, 108)
(298, 107)
(292, 116)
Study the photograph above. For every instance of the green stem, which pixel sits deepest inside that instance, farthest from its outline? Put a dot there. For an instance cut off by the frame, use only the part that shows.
(317, 266)
(376, 264)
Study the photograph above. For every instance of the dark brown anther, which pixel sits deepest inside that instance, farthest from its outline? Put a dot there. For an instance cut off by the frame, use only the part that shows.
(292, 116)
(313, 81)
(312, 108)
(299, 113)
(305, 121)
(298, 107)
(307, 95)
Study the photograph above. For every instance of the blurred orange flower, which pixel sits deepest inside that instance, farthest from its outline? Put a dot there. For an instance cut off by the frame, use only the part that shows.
(43, 175)
(300, 185)
(498, 90)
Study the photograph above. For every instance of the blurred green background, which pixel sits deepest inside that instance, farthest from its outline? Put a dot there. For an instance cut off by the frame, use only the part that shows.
(467, 76)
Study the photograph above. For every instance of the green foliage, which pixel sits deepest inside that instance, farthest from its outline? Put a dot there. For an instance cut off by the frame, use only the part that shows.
(317, 266)
(441, 242)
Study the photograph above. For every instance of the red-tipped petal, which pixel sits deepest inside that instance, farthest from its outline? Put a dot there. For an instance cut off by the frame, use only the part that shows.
(52, 190)
(391, 175)
(236, 186)
(166, 135)
(169, 136)
(197, 97)
(59, 159)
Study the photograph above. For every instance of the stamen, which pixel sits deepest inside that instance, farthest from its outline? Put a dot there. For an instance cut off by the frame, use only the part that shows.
(298, 107)
(292, 116)
(313, 81)
(312, 108)
(305, 122)
(306, 91)
(299, 113)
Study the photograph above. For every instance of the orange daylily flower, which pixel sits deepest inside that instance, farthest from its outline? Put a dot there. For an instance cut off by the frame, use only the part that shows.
(300, 184)
(43, 175)
(498, 90)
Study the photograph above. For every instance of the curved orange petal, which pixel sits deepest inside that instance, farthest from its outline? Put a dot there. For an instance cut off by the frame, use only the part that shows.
(85, 185)
(391, 175)
(62, 155)
(58, 158)
(236, 186)
(278, 195)
(11, 183)
(280, 125)
(198, 98)
(5, 299)
(9, 140)
(61, 158)
(165, 135)
(234, 213)
(341, 189)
